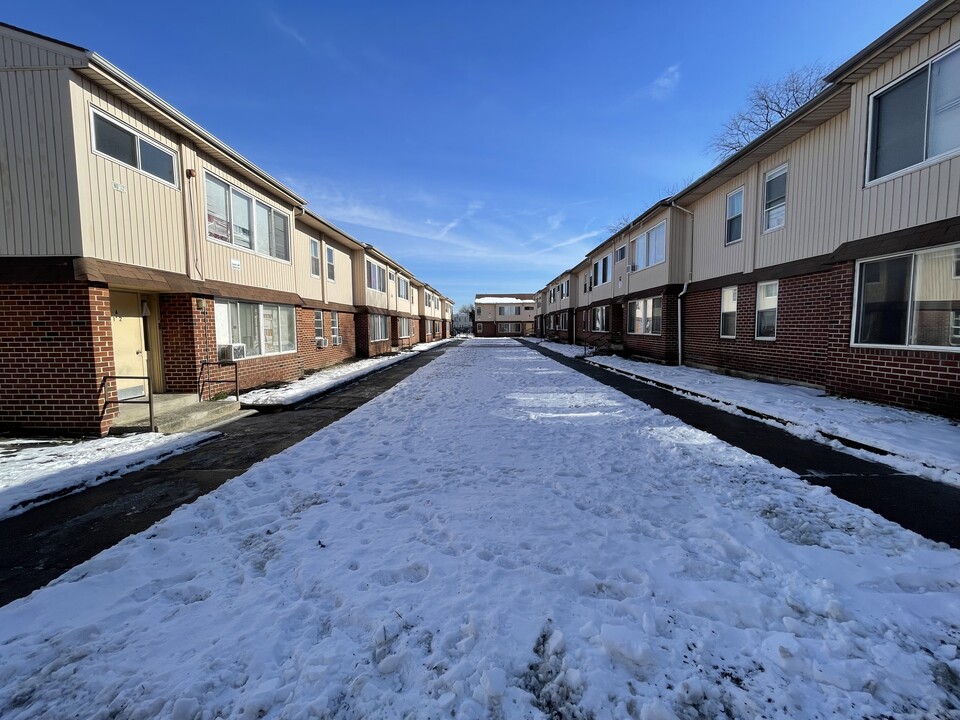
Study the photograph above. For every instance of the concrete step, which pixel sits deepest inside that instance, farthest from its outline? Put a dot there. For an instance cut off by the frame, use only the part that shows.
(181, 413)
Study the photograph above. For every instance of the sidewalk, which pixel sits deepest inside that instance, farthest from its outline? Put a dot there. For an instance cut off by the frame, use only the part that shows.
(916, 443)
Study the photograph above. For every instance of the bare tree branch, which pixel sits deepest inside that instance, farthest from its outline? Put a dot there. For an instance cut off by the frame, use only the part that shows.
(767, 104)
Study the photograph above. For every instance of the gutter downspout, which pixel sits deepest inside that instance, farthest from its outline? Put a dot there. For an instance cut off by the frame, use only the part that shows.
(686, 284)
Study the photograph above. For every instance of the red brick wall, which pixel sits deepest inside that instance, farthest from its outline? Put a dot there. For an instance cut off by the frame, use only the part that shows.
(814, 317)
(56, 347)
(662, 347)
(314, 358)
(366, 348)
(187, 335)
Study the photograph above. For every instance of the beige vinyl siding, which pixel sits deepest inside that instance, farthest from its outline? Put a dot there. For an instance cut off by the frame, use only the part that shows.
(126, 215)
(308, 286)
(341, 289)
(711, 258)
(218, 258)
(373, 298)
(18, 50)
(38, 197)
(924, 195)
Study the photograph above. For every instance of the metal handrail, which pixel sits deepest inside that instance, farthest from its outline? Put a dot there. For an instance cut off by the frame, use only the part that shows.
(204, 376)
(132, 401)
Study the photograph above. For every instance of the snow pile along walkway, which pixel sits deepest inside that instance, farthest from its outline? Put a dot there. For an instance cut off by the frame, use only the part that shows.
(499, 536)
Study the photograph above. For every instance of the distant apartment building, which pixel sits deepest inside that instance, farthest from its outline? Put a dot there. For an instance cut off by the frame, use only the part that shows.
(509, 315)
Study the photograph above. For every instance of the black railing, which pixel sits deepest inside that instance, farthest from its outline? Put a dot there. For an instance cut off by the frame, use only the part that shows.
(134, 400)
(204, 378)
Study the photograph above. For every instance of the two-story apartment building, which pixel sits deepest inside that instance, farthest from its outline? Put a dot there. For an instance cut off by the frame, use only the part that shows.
(825, 252)
(558, 300)
(140, 252)
(504, 315)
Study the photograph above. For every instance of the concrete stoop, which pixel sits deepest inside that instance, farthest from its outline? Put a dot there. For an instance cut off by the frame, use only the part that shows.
(177, 413)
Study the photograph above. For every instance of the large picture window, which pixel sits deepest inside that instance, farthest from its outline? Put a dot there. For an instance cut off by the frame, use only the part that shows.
(508, 310)
(261, 328)
(379, 328)
(234, 217)
(650, 248)
(376, 277)
(506, 328)
(908, 300)
(600, 319)
(916, 119)
(775, 199)
(601, 271)
(403, 288)
(403, 327)
(644, 316)
(124, 145)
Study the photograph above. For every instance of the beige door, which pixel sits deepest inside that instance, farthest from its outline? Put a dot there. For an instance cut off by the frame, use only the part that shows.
(129, 352)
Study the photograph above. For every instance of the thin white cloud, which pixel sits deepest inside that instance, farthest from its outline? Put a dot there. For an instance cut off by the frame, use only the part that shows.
(570, 241)
(666, 83)
(287, 29)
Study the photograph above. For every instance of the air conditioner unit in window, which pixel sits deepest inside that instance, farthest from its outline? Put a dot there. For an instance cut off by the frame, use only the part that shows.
(632, 268)
(231, 353)
(322, 342)
(337, 340)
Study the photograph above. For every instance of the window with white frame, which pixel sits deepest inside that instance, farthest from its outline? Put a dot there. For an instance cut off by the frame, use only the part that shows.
(379, 328)
(437, 327)
(955, 327)
(236, 218)
(620, 254)
(767, 310)
(314, 257)
(550, 322)
(601, 271)
(403, 327)
(916, 119)
(587, 282)
(728, 312)
(127, 146)
(508, 327)
(562, 321)
(734, 228)
(956, 263)
(909, 299)
(317, 324)
(331, 265)
(644, 316)
(650, 248)
(263, 329)
(553, 295)
(585, 319)
(403, 288)
(479, 327)
(334, 324)
(508, 310)
(600, 319)
(479, 310)
(376, 277)
(775, 199)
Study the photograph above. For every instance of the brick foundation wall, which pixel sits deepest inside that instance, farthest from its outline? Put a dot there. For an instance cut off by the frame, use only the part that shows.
(56, 346)
(188, 335)
(661, 348)
(314, 358)
(365, 347)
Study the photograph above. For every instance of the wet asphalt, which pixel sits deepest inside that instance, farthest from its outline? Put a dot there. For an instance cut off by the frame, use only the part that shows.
(41, 544)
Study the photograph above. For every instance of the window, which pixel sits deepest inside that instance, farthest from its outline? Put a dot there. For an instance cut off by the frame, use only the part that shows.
(767, 310)
(479, 327)
(955, 328)
(112, 139)
(644, 316)
(509, 310)
(620, 254)
(562, 321)
(314, 257)
(728, 312)
(508, 328)
(529, 308)
(908, 300)
(916, 119)
(479, 310)
(334, 324)
(585, 319)
(587, 282)
(601, 271)
(650, 248)
(404, 327)
(600, 319)
(734, 217)
(331, 266)
(438, 327)
(403, 288)
(775, 199)
(317, 324)
(231, 218)
(262, 329)
(379, 328)
(550, 322)
(956, 263)
(376, 277)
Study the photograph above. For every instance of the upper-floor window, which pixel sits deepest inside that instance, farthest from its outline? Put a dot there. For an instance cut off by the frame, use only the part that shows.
(403, 288)
(620, 253)
(908, 299)
(601, 271)
(916, 119)
(314, 257)
(376, 277)
(331, 265)
(650, 248)
(775, 199)
(508, 310)
(124, 145)
(234, 217)
(734, 231)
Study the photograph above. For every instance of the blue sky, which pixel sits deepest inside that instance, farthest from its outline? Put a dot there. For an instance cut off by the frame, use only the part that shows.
(486, 146)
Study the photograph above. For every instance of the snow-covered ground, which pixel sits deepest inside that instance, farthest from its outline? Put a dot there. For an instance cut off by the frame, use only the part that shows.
(916, 443)
(33, 471)
(550, 549)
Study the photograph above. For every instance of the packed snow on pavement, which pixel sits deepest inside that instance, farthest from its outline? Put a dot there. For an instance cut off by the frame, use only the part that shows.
(499, 537)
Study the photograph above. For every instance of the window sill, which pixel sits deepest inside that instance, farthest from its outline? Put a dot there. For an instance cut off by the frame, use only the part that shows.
(918, 348)
(247, 251)
(913, 168)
